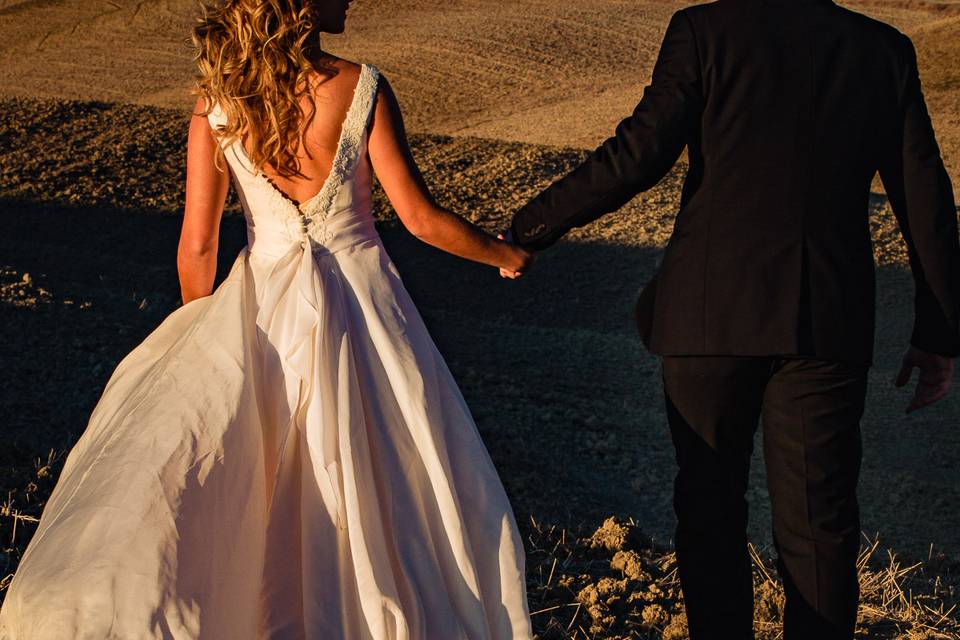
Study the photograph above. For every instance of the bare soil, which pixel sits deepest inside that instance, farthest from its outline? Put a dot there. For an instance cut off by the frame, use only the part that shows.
(537, 71)
(502, 99)
(90, 194)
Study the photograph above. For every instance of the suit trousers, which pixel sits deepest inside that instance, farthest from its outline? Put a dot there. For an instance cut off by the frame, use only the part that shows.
(811, 411)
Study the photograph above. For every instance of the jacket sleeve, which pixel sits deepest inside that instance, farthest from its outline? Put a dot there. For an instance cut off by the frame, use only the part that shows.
(646, 145)
(921, 196)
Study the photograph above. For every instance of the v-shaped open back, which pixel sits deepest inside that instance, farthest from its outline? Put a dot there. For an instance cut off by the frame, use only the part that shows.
(354, 105)
(350, 145)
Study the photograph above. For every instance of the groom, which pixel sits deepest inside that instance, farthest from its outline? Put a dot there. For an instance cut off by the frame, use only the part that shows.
(763, 305)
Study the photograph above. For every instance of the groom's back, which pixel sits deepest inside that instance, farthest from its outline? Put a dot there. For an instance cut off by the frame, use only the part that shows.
(788, 108)
(802, 93)
(772, 250)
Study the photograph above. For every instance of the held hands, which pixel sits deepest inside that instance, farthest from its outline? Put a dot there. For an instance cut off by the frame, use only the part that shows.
(936, 376)
(521, 259)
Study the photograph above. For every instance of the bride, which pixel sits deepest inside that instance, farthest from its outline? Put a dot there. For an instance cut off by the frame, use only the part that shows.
(287, 456)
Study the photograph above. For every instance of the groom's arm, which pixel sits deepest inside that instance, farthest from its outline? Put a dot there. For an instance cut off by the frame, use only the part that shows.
(645, 147)
(921, 196)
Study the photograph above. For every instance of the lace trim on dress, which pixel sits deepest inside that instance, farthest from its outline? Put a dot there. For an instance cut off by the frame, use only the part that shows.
(277, 200)
(351, 139)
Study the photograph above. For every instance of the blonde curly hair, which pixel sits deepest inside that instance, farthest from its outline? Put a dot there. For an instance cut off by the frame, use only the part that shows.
(254, 60)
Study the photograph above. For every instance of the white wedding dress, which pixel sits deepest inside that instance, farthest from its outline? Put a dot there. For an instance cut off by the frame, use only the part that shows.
(288, 458)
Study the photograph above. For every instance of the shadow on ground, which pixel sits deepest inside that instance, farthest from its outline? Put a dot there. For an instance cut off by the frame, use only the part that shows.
(568, 401)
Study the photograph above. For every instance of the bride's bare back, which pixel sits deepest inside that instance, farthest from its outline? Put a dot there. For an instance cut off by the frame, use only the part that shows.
(316, 149)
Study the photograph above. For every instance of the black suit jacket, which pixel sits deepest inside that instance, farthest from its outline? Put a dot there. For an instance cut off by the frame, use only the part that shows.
(788, 108)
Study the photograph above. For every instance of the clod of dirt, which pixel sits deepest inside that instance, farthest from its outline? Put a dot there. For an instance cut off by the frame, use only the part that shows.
(677, 629)
(655, 616)
(614, 535)
(603, 600)
(630, 563)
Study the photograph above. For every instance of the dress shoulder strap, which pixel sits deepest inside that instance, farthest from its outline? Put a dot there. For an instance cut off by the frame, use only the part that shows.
(361, 111)
(216, 117)
(353, 138)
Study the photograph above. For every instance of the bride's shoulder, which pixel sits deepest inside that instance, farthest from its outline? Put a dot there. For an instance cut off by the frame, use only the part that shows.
(343, 75)
(349, 70)
(345, 67)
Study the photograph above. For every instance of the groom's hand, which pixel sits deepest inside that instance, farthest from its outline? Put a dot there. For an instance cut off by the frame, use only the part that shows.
(936, 376)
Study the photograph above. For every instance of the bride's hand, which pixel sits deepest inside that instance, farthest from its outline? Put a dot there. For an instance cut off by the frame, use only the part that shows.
(520, 260)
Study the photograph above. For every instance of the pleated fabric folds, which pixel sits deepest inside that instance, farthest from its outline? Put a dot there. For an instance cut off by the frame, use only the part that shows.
(288, 458)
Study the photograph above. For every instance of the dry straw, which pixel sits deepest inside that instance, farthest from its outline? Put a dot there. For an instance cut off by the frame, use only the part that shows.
(616, 585)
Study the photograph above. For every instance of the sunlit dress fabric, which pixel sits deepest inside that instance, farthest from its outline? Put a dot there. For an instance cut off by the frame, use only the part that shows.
(287, 458)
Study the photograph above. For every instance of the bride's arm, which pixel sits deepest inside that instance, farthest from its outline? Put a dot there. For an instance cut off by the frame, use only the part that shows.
(206, 194)
(415, 206)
